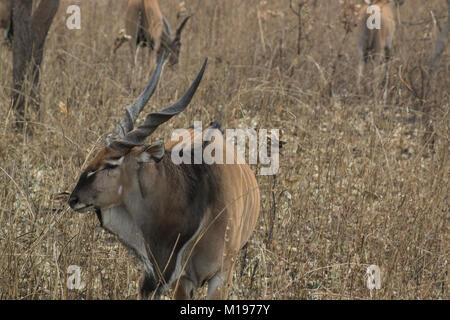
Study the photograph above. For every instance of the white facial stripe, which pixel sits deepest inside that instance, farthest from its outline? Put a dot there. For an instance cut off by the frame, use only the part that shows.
(120, 190)
(115, 162)
(91, 173)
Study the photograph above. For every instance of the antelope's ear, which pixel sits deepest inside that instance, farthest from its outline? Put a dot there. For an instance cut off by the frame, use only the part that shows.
(152, 153)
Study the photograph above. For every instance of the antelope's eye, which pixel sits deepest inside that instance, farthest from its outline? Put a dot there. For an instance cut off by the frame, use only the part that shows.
(112, 163)
(109, 166)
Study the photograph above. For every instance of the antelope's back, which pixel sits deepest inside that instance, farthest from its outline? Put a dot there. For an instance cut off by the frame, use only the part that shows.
(239, 203)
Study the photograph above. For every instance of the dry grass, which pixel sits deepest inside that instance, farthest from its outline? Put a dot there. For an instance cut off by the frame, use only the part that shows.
(357, 185)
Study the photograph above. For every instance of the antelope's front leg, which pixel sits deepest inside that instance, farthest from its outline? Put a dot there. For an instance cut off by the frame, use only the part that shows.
(184, 288)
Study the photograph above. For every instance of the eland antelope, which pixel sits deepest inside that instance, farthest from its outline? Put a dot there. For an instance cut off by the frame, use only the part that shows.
(376, 42)
(185, 222)
(144, 26)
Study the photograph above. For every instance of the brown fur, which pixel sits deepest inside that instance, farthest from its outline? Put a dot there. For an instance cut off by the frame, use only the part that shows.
(144, 27)
(153, 22)
(230, 224)
(376, 43)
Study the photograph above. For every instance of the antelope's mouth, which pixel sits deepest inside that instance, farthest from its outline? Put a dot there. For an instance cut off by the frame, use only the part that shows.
(81, 207)
(77, 205)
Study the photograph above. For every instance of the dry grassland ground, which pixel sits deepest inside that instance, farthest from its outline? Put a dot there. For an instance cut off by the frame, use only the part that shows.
(358, 184)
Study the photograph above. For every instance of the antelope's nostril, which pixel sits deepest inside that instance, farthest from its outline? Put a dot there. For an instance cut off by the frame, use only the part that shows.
(73, 200)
